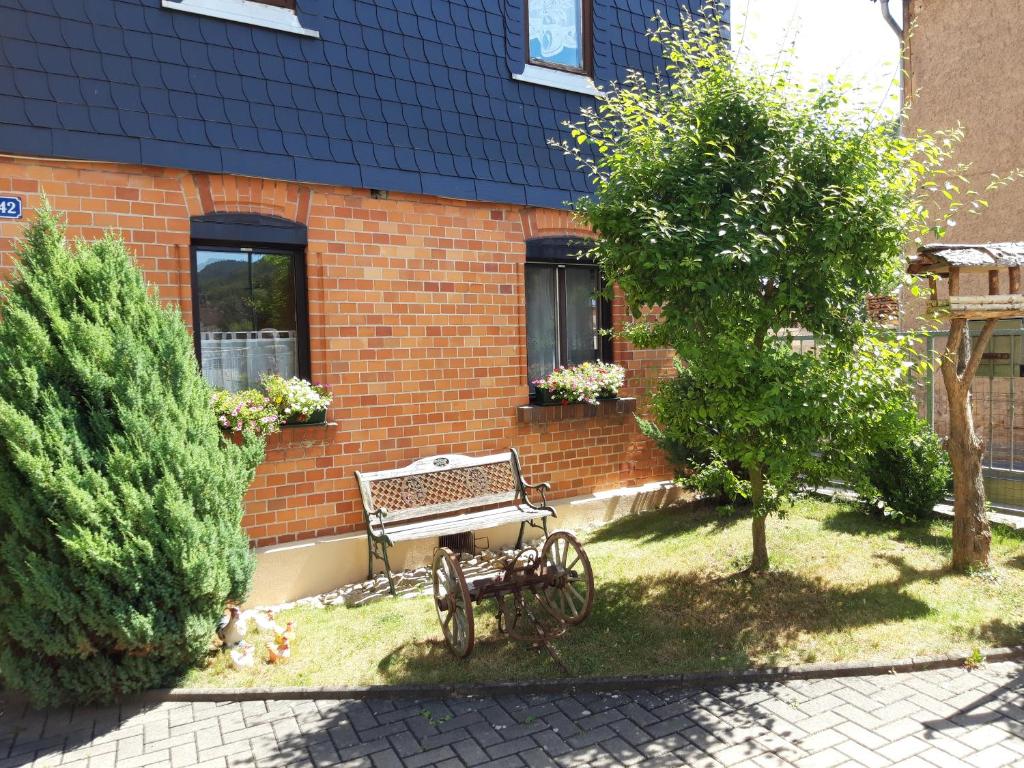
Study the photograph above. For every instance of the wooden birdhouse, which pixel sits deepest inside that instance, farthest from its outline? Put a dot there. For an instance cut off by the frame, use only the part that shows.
(953, 262)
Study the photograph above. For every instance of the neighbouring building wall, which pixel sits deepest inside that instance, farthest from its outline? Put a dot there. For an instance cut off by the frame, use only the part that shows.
(416, 316)
(964, 69)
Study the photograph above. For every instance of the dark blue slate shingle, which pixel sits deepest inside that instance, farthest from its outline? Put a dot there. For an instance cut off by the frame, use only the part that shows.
(25, 139)
(408, 95)
(178, 155)
(318, 171)
(135, 124)
(93, 146)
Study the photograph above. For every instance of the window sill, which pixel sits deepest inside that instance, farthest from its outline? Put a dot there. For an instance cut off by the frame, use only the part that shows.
(556, 78)
(290, 434)
(244, 12)
(541, 414)
(306, 434)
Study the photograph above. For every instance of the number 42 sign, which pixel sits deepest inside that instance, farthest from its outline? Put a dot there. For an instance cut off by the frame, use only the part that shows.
(10, 207)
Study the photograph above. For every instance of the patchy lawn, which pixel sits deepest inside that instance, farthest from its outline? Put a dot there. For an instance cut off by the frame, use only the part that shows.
(843, 586)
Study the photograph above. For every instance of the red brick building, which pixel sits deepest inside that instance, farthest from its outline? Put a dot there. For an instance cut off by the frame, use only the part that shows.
(408, 290)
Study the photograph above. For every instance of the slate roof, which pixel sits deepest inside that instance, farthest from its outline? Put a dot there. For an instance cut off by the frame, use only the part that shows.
(939, 257)
(402, 95)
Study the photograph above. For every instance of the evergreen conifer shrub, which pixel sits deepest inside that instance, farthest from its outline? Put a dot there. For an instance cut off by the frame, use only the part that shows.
(120, 501)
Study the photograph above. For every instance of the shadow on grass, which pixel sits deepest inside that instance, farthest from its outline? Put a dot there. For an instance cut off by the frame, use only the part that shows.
(999, 633)
(678, 622)
(856, 520)
(669, 522)
(1016, 562)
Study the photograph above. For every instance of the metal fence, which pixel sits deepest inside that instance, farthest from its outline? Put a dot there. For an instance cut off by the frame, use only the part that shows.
(997, 418)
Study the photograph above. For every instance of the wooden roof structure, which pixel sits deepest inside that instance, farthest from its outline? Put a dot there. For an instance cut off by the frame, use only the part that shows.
(949, 261)
(939, 258)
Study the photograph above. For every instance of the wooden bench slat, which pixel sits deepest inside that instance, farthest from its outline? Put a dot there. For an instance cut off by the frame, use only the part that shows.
(443, 526)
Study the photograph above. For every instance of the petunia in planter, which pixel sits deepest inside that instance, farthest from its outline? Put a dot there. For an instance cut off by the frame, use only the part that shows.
(583, 383)
(245, 411)
(297, 401)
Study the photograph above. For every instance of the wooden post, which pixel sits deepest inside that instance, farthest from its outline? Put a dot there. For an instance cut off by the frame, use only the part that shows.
(1014, 279)
(954, 281)
(933, 283)
(993, 282)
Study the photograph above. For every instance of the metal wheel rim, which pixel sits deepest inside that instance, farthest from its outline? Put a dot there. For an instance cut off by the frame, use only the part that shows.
(572, 601)
(450, 590)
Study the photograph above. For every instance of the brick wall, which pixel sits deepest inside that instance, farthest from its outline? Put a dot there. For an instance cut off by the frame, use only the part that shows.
(417, 324)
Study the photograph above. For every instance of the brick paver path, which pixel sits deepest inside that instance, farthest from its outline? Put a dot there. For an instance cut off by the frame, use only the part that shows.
(929, 719)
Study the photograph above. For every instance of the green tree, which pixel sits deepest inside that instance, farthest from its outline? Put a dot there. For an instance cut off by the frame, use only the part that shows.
(120, 502)
(743, 211)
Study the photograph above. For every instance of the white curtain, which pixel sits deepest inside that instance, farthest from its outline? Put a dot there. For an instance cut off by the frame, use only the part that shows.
(235, 360)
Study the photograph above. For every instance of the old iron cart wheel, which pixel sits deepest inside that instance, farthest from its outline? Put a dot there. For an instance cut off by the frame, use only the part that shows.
(570, 595)
(451, 599)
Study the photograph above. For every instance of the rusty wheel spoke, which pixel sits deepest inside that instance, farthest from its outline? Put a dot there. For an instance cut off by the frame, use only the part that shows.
(571, 594)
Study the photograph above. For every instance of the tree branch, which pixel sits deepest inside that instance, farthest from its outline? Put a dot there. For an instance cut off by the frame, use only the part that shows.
(948, 362)
(956, 332)
(978, 352)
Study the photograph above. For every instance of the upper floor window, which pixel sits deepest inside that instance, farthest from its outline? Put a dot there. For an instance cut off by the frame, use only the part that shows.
(565, 313)
(559, 34)
(249, 302)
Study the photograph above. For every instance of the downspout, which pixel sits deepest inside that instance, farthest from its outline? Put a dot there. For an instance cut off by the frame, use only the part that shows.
(898, 29)
(887, 15)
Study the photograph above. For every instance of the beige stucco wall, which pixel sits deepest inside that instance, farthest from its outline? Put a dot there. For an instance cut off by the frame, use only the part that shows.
(292, 571)
(964, 67)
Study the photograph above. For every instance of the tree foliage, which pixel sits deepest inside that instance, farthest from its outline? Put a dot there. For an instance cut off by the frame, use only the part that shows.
(120, 502)
(735, 211)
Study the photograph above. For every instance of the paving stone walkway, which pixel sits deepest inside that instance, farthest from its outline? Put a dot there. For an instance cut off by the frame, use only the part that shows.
(928, 720)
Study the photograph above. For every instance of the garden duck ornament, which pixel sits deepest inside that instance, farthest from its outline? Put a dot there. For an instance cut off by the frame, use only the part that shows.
(244, 656)
(232, 627)
(279, 650)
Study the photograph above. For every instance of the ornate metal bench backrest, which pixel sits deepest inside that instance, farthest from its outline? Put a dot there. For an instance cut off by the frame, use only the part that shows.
(441, 484)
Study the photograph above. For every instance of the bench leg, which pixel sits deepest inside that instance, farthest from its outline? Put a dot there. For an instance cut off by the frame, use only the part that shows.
(387, 569)
(369, 557)
(522, 529)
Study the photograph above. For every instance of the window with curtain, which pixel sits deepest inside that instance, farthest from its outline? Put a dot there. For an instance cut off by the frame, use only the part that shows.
(559, 34)
(565, 313)
(250, 314)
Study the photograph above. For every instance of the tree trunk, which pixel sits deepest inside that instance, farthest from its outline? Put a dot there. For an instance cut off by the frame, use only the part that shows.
(759, 559)
(971, 532)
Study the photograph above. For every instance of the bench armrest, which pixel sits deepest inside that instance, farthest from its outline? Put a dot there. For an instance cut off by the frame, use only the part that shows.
(542, 489)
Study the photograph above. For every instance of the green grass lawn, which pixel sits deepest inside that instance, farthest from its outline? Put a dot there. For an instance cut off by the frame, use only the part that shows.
(670, 598)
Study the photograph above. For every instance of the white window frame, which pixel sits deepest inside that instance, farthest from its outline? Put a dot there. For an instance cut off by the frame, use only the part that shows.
(245, 12)
(557, 78)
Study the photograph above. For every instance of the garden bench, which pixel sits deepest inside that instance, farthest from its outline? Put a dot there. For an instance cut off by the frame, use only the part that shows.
(444, 495)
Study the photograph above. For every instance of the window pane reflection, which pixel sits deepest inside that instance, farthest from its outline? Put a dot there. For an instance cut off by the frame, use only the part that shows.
(556, 32)
(248, 323)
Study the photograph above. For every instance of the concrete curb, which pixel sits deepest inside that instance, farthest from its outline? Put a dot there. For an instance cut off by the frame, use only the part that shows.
(564, 685)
